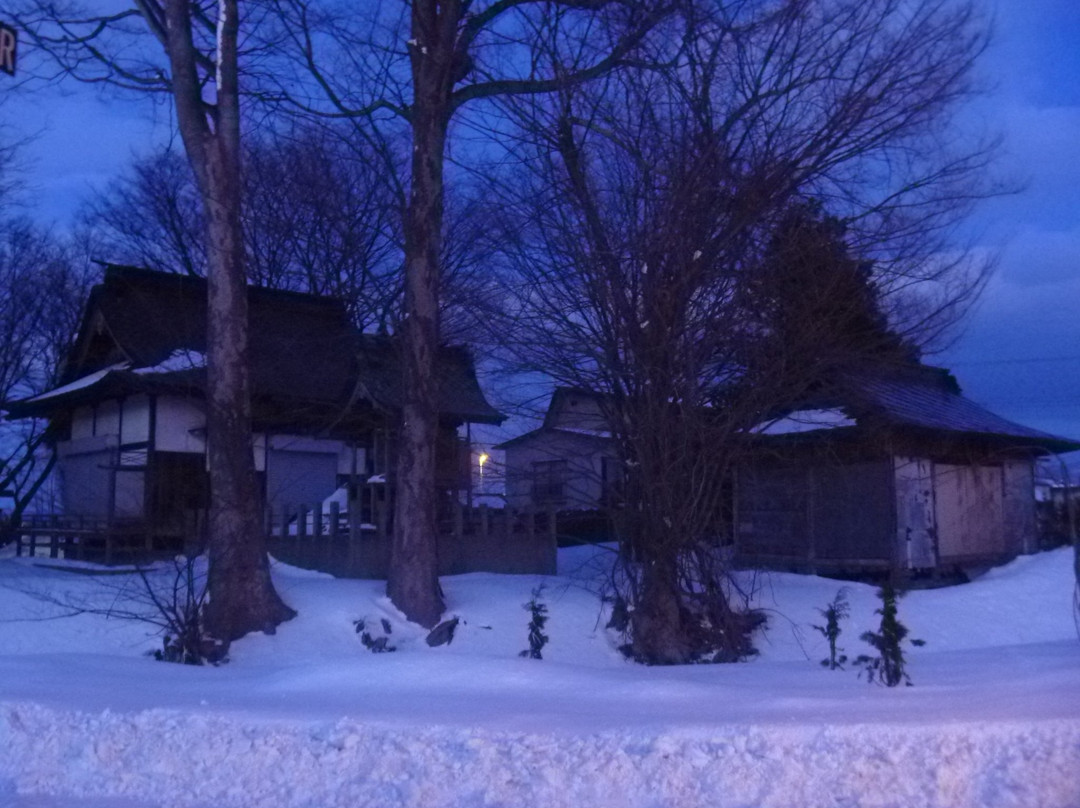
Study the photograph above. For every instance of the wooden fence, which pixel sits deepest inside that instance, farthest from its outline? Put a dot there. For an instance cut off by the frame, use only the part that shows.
(86, 538)
(353, 544)
(357, 544)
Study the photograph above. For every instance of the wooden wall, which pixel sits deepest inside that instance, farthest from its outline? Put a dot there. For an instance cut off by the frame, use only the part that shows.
(817, 512)
(917, 512)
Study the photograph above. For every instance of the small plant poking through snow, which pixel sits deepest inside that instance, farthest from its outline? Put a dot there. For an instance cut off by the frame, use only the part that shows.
(177, 607)
(834, 613)
(537, 638)
(888, 666)
(372, 639)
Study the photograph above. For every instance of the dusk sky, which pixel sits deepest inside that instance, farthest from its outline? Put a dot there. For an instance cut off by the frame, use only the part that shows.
(1019, 353)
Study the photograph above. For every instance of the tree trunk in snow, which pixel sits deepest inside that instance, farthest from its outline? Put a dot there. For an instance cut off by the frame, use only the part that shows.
(242, 596)
(659, 633)
(413, 581)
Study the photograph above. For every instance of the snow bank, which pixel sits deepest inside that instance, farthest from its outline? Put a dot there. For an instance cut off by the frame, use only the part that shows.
(307, 717)
(183, 759)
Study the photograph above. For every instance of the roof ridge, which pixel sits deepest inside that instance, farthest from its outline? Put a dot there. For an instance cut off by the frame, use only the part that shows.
(118, 273)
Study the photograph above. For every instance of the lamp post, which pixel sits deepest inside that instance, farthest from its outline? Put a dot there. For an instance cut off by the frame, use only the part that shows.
(482, 459)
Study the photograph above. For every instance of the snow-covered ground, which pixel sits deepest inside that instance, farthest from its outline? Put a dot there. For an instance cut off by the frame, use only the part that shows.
(308, 717)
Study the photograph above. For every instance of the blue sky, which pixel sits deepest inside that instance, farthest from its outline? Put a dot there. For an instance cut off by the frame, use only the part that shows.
(1019, 352)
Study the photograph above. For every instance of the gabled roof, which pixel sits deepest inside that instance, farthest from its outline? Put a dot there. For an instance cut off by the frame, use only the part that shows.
(303, 349)
(587, 424)
(561, 398)
(544, 432)
(913, 398)
(926, 399)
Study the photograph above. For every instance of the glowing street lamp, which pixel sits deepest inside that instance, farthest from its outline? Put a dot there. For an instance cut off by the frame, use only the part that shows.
(482, 459)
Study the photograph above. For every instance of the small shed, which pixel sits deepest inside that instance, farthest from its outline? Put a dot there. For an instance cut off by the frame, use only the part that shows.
(568, 464)
(889, 469)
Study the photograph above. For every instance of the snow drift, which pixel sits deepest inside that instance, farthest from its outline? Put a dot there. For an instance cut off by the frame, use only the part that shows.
(309, 718)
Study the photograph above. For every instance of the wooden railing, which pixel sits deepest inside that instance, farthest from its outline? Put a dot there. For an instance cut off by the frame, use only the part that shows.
(353, 543)
(357, 545)
(87, 538)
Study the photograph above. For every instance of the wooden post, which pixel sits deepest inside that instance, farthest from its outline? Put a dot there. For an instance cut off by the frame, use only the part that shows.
(301, 522)
(54, 545)
(484, 526)
(811, 528)
(356, 515)
(384, 508)
(735, 512)
(374, 511)
(316, 522)
(335, 514)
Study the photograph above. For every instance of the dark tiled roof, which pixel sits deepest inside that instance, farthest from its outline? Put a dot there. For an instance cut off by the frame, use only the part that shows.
(381, 377)
(928, 398)
(303, 348)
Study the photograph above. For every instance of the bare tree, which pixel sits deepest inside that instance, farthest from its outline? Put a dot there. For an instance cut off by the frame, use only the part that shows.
(41, 291)
(706, 243)
(421, 63)
(42, 287)
(315, 219)
(190, 52)
(151, 216)
(318, 217)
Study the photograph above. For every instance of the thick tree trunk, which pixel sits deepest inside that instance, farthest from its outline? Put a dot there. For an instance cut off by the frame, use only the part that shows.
(242, 596)
(413, 581)
(658, 626)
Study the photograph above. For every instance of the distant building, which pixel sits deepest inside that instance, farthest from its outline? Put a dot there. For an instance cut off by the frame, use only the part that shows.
(887, 468)
(569, 463)
(128, 418)
(891, 468)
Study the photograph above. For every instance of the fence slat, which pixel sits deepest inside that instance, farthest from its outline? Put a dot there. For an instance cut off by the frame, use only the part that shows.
(335, 514)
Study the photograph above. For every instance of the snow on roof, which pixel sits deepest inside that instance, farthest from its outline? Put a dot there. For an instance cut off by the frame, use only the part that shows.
(181, 359)
(577, 430)
(178, 360)
(80, 383)
(805, 421)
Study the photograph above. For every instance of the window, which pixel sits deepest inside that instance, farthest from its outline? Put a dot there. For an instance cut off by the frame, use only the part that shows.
(549, 481)
(611, 479)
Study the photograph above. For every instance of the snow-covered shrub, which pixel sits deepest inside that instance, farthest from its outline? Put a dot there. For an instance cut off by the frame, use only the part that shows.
(888, 666)
(834, 613)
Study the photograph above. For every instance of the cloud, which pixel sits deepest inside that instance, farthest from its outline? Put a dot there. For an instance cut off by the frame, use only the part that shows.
(79, 142)
(1036, 257)
(1020, 352)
